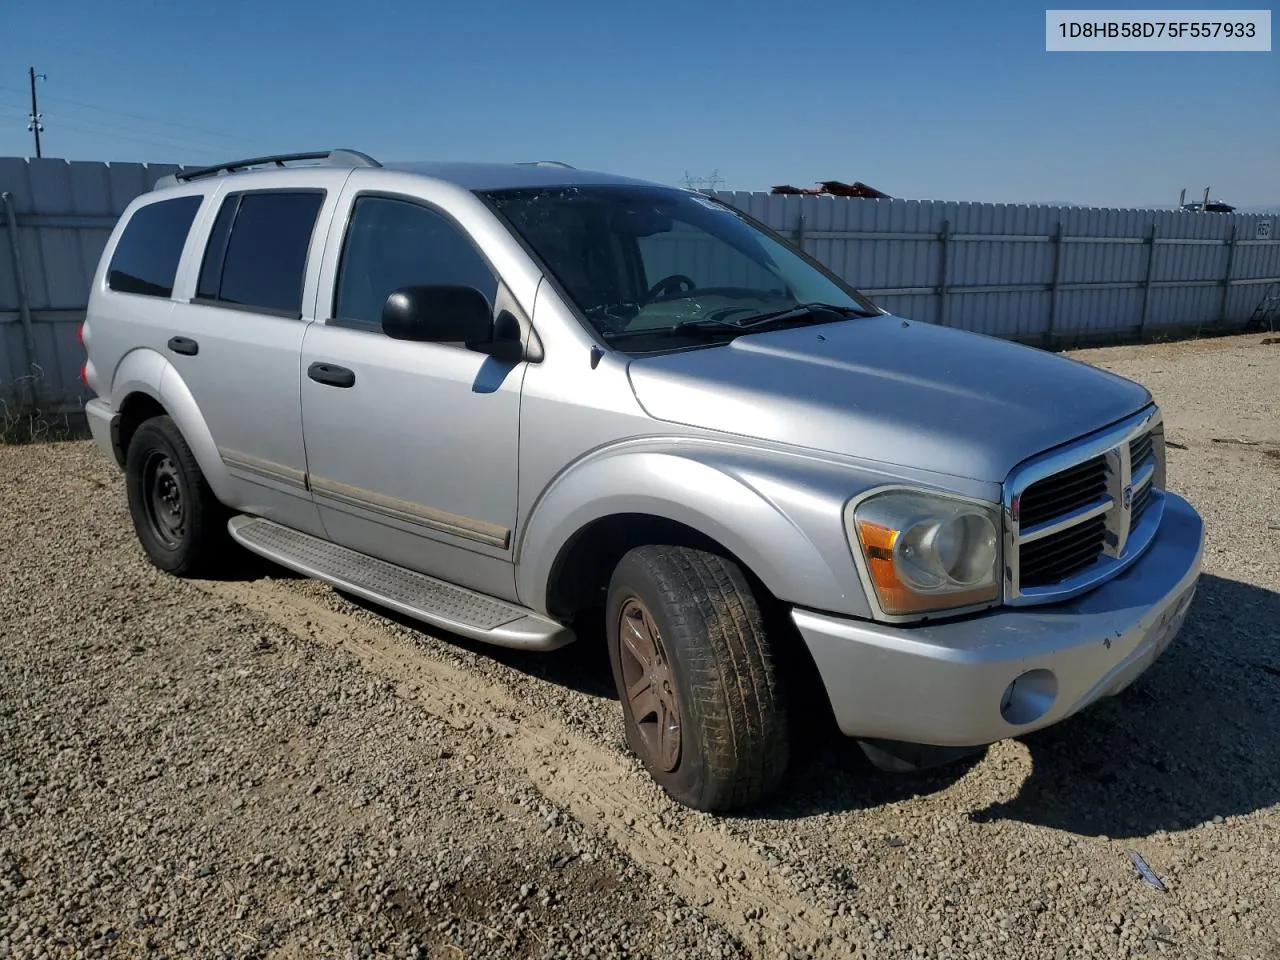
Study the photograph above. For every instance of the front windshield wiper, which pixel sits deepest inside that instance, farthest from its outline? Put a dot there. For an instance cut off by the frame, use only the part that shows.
(800, 311)
(684, 326)
(712, 326)
(797, 312)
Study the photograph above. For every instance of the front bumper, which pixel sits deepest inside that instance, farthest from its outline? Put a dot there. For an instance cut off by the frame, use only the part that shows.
(948, 684)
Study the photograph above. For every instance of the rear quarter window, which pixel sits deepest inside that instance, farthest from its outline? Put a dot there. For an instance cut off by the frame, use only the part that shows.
(145, 260)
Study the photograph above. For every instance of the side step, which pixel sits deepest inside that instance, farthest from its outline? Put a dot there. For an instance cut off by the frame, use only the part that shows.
(424, 598)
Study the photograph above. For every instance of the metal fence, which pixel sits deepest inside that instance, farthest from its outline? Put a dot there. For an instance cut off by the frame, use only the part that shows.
(55, 218)
(1047, 275)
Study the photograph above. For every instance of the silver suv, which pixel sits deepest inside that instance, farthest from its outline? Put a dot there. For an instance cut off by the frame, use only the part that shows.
(514, 401)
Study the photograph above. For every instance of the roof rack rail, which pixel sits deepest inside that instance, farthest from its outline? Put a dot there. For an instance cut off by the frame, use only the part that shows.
(545, 163)
(331, 158)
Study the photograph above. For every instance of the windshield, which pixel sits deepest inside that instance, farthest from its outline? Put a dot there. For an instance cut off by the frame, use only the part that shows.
(655, 262)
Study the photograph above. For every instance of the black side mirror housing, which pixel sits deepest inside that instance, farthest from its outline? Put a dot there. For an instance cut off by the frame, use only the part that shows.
(438, 314)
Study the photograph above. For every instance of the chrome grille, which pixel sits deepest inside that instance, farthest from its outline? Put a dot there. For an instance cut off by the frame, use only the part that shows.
(1054, 558)
(1079, 515)
(1064, 492)
(1141, 497)
(1140, 448)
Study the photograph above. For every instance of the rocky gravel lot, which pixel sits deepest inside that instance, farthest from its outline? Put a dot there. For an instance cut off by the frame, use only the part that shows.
(258, 767)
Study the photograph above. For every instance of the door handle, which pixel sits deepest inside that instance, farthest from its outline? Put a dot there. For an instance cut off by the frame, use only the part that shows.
(184, 345)
(331, 375)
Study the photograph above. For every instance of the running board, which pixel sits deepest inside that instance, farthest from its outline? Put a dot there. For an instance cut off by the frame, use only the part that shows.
(424, 598)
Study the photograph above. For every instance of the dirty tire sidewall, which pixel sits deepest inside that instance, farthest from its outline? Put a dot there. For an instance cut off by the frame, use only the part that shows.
(204, 541)
(734, 730)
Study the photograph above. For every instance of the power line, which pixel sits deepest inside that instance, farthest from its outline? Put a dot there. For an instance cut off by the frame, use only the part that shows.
(108, 129)
(709, 182)
(109, 132)
(137, 116)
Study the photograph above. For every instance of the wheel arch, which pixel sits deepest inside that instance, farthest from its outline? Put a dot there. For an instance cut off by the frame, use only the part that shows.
(579, 574)
(597, 510)
(146, 384)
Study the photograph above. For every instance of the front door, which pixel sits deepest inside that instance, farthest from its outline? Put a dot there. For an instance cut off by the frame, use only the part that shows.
(412, 448)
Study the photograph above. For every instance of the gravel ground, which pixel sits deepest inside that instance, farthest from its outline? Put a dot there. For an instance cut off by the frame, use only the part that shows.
(258, 767)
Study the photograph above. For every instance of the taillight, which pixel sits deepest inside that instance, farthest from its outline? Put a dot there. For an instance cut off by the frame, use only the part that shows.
(84, 373)
(80, 334)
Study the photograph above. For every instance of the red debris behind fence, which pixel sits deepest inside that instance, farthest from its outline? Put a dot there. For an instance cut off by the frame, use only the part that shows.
(834, 188)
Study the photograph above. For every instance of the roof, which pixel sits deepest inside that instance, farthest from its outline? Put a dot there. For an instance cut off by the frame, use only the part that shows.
(496, 176)
(470, 176)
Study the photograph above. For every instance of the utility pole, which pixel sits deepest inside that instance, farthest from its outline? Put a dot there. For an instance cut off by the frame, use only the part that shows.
(34, 126)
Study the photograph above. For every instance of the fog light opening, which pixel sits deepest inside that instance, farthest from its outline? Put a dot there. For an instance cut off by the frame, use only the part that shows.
(1029, 697)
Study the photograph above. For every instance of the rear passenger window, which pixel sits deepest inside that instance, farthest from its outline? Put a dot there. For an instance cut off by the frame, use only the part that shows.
(394, 243)
(215, 251)
(146, 258)
(257, 251)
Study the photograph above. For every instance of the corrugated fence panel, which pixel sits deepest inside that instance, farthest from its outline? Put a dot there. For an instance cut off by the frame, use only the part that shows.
(65, 213)
(1047, 274)
(1044, 274)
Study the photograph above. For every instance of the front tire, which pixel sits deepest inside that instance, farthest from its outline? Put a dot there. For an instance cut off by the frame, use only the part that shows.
(701, 697)
(179, 522)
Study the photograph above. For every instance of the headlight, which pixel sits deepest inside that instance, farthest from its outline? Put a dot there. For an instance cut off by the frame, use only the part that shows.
(923, 552)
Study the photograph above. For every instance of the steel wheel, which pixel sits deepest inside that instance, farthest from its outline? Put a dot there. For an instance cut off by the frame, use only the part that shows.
(650, 686)
(163, 499)
(179, 522)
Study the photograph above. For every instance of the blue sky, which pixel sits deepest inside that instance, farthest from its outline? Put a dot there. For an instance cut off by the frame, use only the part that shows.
(931, 100)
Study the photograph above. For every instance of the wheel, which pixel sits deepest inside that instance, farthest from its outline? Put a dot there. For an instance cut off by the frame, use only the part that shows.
(701, 698)
(179, 522)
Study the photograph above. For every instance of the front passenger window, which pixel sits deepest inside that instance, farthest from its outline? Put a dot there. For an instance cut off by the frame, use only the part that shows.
(395, 243)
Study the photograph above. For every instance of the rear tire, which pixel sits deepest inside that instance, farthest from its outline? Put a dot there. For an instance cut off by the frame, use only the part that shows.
(179, 522)
(701, 698)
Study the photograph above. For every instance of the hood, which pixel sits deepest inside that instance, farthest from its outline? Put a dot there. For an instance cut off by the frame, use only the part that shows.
(890, 390)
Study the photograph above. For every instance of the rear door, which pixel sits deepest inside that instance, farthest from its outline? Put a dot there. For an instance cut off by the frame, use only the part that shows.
(241, 327)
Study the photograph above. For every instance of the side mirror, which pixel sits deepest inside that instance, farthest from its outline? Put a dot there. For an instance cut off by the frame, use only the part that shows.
(438, 314)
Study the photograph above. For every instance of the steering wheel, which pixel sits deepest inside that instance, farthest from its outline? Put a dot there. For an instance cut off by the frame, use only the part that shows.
(670, 287)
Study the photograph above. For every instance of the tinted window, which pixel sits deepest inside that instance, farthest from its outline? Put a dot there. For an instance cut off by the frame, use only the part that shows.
(266, 254)
(393, 243)
(216, 250)
(146, 258)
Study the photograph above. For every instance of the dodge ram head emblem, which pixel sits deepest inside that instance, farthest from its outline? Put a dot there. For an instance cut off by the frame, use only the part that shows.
(1128, 495)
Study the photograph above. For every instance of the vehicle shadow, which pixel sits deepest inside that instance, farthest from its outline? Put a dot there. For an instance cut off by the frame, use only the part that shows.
(828, 771)
(1195, 738)
(582, 666)
(1192, 740)
(245, 566)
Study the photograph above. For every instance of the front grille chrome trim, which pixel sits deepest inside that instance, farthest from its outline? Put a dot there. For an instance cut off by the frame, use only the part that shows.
(1143, 476)
(1058, 524)
(1123, 543)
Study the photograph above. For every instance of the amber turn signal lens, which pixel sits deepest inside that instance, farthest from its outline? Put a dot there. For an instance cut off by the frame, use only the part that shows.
(877, 546)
